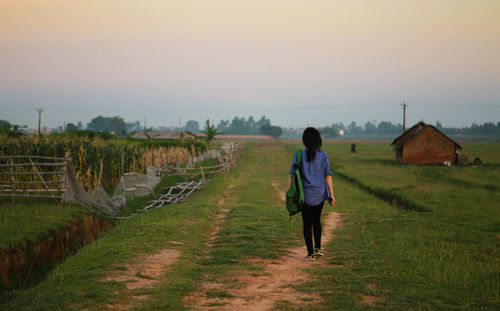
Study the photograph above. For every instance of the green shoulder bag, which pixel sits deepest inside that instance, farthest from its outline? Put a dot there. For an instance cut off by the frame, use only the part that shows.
(295, 195)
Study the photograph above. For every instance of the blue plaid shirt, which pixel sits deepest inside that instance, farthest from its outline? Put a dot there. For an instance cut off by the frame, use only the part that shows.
(313, 177)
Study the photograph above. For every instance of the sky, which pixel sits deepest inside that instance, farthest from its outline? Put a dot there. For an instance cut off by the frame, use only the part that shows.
(298, 62)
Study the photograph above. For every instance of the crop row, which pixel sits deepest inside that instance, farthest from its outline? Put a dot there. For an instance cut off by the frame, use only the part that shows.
(119, 155)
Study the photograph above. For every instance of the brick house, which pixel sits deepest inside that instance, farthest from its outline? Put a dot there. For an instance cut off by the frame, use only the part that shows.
(425, 144)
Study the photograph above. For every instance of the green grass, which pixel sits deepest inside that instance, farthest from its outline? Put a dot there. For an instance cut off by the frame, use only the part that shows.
(417, 260)
(26, 222)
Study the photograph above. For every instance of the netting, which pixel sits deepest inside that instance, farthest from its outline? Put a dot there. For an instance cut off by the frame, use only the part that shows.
(133, 185)
(97, 200)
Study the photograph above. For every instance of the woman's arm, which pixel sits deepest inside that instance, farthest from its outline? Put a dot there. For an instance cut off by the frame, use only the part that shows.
(290, 179)
(328, 179)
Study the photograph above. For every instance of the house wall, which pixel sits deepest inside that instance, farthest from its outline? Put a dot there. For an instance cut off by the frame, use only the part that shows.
(430, 147)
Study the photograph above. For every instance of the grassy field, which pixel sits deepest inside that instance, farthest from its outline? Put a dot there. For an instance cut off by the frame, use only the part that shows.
(445, 258)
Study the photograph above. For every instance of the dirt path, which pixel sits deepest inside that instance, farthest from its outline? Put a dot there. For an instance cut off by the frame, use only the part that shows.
(220, 218)
(144, 274)
(251, 291)
(149, 269)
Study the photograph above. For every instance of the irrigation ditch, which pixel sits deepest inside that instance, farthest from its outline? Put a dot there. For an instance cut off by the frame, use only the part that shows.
(24, 265)
(391, 198)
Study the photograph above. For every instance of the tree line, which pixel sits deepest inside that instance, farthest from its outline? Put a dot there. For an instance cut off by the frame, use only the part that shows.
(485, 129)
(353, 129)
(386, 128)
(241, 126)
(263, 126)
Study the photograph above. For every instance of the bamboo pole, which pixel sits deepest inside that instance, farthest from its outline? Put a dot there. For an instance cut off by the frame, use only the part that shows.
(32, 157)
(28, 164)
(38, 173)
(30, 182)
(13, 178)
(123, 164)
(63, 175)
(100, 173)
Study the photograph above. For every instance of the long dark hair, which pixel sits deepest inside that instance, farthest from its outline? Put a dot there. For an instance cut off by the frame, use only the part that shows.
(312, 140)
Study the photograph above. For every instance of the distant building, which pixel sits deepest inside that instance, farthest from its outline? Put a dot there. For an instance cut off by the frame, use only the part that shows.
(425, 144)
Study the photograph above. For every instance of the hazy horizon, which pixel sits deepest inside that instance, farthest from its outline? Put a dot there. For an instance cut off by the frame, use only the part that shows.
(297, 62)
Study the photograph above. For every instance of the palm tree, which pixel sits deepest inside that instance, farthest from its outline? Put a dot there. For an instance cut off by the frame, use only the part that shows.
(210, 131)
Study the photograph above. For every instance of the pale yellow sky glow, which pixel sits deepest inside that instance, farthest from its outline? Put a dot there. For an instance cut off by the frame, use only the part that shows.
(241, 55)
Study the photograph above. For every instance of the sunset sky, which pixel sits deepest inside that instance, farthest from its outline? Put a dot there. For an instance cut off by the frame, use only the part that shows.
(298, 62)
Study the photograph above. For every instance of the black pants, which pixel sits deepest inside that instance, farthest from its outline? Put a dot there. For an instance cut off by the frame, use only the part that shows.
(311, 219)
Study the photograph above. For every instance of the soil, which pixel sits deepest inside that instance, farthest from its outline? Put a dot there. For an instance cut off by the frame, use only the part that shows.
(220, 218)
(17, 262)
(146, 273)
(275, 283)
(365, 299)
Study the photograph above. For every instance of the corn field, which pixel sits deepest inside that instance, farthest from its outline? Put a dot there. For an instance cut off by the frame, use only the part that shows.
(119, 155)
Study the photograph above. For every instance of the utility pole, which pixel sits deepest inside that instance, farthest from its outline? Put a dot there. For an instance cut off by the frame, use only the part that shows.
(404, 105)
(145, 127)
(39, 120)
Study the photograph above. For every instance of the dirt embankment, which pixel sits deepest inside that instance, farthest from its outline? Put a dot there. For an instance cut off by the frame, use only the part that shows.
(17, 262)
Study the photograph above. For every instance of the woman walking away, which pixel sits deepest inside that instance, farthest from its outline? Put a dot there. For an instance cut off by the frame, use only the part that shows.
(317, 183)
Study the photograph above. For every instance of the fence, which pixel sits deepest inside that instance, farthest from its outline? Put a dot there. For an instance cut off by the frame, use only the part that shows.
(226, 163)
(33, 176)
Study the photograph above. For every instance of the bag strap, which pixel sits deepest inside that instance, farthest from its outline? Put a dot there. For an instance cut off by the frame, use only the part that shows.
(299, 162)
(299, 157)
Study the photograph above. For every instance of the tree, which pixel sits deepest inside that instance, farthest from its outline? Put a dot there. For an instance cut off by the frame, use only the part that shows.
(192, 126)
(370, 128)
(354, 129)
(252, 126)
(71, 127)
(223, 126)
(238, 125)
(210, 131)
(273, 131)
(328, 132)
(133, 126)
(10, 130)
(4, 125)
(387, 128)
(263, 121)
(106, 124)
